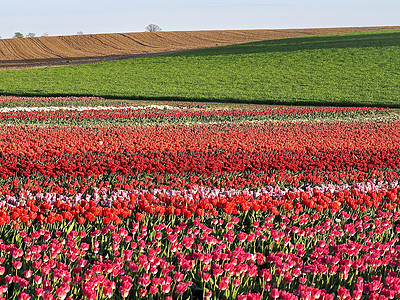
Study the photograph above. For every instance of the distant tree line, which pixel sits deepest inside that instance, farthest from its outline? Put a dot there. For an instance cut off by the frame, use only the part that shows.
(18, 35)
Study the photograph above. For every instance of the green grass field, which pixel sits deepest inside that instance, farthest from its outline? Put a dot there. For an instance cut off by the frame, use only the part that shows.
(349, 69)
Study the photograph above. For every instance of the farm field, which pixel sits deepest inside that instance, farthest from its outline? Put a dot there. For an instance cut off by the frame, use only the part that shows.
(119, 199)
(353, 69)
(88, 48)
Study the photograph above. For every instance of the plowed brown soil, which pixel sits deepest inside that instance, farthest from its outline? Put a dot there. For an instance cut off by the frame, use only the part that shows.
(77, 49)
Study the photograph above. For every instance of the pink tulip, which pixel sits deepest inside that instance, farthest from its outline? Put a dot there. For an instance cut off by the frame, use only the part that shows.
(17, 264)
(178, 276)
(343, 293)
(357, 295)
(39, 292)
(3, 289)
(8, 279)
(236, 282)
(153, 290)
(37, 279)
(144, 280)
(166, 288)
(274, 293)
(24, 296)
(142, 292)
(375, 286)
(49, 296)
(182, 287)
(45, 270)
(124, 292)
(61, 293)
(206, 276)
(23, 283)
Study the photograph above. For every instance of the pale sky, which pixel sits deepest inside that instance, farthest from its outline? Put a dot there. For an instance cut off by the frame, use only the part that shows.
(59, 17)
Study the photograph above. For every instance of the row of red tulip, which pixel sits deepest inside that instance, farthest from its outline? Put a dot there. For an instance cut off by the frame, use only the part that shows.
(73, 173)
(77, 115)
(106, 208)
(232, 138)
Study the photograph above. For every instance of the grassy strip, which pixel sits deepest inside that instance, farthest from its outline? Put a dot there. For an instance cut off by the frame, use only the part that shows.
(347, 69)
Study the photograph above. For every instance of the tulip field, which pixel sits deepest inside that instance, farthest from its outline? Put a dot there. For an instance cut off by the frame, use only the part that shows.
(114, 199)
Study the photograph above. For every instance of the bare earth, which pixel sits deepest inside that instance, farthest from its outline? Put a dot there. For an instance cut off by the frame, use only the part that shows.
(79, 49)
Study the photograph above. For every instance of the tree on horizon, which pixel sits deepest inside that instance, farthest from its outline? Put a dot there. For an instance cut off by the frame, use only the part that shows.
(18, 35)
(153, 28)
